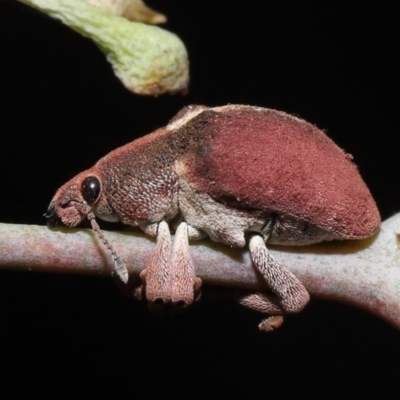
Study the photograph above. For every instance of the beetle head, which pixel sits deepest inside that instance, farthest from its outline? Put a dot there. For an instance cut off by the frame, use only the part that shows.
(73, 201)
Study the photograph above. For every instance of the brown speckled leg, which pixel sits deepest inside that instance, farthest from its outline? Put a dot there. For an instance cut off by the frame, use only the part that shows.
(169, 278)
(266, 305)
(185, 285)
(156, 277)
(292, 295)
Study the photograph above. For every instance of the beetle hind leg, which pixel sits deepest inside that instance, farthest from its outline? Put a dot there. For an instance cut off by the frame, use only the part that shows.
(267, 305)
(291, 293)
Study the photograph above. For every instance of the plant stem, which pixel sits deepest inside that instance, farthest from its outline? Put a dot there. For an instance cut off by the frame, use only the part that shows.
(363, 273)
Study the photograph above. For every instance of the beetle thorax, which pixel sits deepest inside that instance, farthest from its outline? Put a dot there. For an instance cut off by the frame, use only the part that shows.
(140, 186)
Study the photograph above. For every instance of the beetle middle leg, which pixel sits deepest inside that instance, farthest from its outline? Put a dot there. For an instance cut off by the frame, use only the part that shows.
(291, 293)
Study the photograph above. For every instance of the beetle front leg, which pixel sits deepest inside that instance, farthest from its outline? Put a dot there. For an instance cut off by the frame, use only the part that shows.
(292, 295)
(185, 285)
(169, 278)
(157, 275)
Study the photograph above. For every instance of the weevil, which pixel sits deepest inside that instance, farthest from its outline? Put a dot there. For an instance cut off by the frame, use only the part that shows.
(241, 175)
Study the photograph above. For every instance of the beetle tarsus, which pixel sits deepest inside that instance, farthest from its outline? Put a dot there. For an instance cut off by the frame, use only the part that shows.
(266, 304)
(271, 323)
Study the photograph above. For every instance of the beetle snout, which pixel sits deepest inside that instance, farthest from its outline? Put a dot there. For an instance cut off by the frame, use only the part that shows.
(53, 219)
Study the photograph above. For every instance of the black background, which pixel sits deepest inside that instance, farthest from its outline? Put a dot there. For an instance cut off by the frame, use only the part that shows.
(332, 63)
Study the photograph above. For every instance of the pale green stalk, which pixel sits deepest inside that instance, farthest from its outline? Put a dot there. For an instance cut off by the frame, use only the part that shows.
(147, 59)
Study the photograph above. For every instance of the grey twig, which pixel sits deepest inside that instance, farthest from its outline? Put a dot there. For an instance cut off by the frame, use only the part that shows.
(362, 273)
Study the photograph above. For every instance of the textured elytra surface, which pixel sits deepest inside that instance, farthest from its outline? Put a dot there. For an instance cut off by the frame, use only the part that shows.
(259, 161)
(262, 160)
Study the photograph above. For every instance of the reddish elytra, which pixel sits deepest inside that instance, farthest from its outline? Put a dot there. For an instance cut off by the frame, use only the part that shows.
(235, 173)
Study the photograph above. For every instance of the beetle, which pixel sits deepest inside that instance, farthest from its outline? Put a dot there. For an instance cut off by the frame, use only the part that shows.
(235, 173)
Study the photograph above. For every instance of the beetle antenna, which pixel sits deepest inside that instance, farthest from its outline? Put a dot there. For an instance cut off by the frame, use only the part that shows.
(119, 266)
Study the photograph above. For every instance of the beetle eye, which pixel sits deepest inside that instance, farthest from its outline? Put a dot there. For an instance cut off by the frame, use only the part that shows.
(90, 189)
